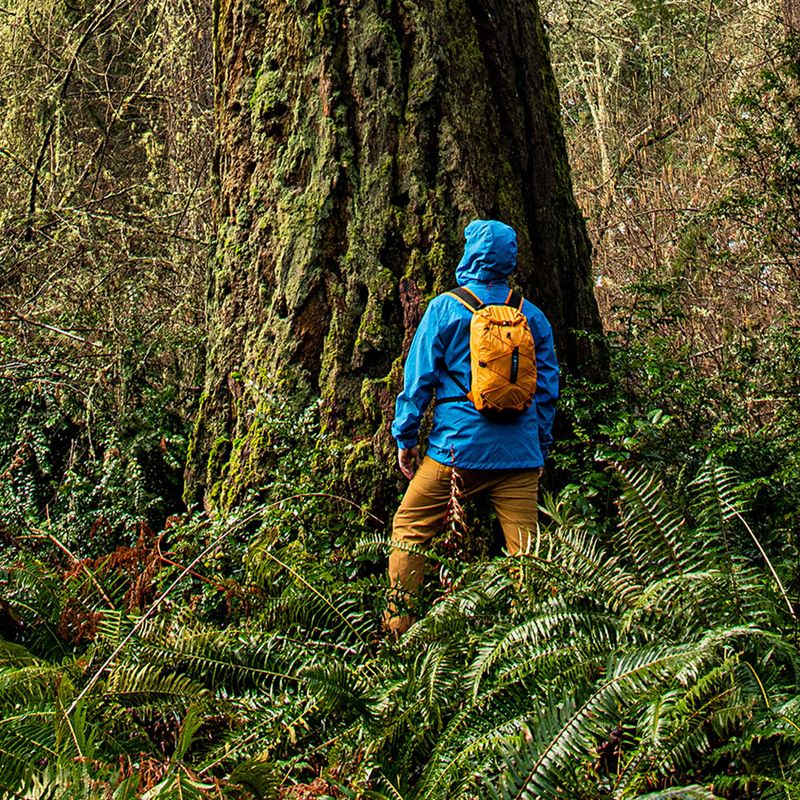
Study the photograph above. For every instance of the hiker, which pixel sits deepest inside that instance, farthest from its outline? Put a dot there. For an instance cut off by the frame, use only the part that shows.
(499, 451)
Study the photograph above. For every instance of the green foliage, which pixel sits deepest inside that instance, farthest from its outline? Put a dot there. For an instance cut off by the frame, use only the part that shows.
(652, 662)
(684, 147)
(103, 221)
(646, 647)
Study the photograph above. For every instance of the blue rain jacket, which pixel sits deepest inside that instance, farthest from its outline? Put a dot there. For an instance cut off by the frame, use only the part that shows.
(460, 433)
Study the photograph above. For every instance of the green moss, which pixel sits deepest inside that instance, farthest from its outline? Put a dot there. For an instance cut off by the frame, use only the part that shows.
(359, 467)
(221, 445)
(199, 426)
(327, 22)
(216, 470)
(269, 93)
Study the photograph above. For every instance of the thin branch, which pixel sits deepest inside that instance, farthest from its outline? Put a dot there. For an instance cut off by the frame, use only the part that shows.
(708, 352)
(73, 64)
(82, 564)
(769, 565)
(191, 195)
(11, 157)
(54, 329)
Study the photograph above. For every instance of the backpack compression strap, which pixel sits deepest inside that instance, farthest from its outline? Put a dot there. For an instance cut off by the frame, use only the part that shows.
(473, 303)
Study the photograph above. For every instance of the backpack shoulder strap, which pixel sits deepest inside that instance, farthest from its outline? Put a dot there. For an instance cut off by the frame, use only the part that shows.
(466, 298)
(515, 300)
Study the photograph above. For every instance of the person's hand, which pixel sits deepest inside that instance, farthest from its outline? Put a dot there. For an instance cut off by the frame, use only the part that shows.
(540, 472)
(408, 461)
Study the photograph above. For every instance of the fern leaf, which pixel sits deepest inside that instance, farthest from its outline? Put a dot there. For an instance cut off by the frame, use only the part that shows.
(693, 792)
(655, 533)
(630, 675)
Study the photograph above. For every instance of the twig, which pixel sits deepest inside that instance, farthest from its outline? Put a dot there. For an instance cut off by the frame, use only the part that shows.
(221, 586)
(707, 352)
(191, 194)
(64, 549)
(73, 64)
(9, 155)
(294, 573)
(54, 329)
(769, 564)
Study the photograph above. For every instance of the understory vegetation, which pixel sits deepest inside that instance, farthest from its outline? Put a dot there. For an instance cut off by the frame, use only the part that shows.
(623, 656)
(646, 646)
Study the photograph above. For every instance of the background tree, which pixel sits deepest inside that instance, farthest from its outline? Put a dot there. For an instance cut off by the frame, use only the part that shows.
(648, 650)
(105, 147)
(355, 142)
(681, 124)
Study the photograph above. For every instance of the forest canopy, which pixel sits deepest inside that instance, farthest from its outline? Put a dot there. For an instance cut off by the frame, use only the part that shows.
(192, 551)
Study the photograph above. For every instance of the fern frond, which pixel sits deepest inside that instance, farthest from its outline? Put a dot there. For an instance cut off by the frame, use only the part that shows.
(25, 738)
(15, 655)
(72, 781)
(590, 568)
(336, 687)
(179, 784)
(28, 685)
(260, 776)
(628, 677)
(693, 792)
(654, 533)
(717, 496)
(473, 602)
(349, 620)
(556, 630)
(372, 547)
(473, 741)
(524, 664)
(132, 685)
(761, 785)
(234, 658)
(112, 627)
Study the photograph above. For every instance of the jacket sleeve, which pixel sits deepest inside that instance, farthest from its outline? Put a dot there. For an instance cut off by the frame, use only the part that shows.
(419, 378)
(546, 387)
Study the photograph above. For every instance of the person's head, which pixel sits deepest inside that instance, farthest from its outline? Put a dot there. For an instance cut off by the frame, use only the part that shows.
(490, 252)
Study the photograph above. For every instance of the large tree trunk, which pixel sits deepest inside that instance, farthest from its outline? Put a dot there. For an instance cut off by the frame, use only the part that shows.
(791, 16)
(356, 140)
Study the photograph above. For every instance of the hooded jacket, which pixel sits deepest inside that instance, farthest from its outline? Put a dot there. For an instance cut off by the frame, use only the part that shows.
(460, 434)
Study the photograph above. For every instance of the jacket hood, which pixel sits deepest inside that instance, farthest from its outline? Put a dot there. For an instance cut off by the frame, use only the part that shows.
(490, 253)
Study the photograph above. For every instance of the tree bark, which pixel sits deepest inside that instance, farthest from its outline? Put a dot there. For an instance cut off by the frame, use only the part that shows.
(356, 140)
(791, 16)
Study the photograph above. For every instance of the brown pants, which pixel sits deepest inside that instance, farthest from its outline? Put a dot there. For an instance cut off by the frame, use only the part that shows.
(514, 495)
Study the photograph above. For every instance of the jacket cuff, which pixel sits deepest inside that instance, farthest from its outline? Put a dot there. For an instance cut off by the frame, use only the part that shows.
(406, 444)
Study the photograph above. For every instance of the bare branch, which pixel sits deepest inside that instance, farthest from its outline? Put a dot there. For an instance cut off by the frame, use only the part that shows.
(87, 35)
(60, 331)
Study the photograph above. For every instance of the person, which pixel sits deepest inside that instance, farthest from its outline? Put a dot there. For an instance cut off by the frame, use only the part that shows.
(503, 459)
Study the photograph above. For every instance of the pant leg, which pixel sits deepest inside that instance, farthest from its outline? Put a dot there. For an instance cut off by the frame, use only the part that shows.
(515, 497)
(419, 518)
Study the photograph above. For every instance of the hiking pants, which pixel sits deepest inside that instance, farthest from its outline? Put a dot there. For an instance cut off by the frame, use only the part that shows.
(514, 495)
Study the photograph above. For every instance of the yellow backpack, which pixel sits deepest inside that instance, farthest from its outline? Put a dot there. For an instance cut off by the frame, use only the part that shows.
(502, 356)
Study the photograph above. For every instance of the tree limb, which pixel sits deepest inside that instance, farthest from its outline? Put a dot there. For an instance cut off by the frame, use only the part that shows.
(69, 334)
(73, 64)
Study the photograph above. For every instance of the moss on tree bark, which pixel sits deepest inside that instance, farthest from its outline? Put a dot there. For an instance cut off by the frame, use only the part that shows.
(356, 140)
